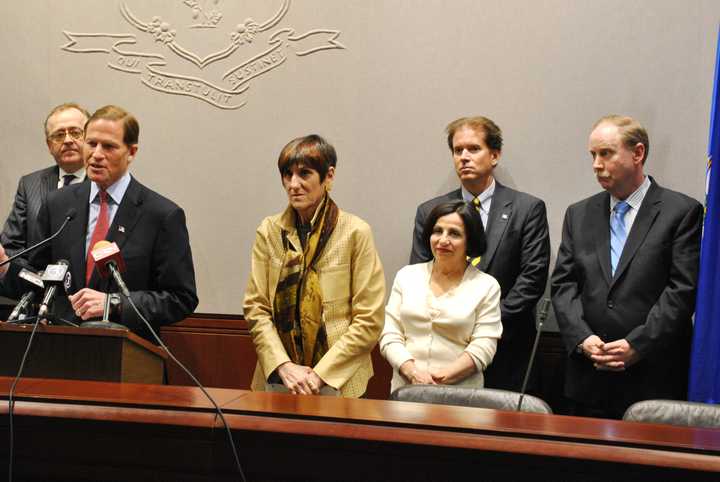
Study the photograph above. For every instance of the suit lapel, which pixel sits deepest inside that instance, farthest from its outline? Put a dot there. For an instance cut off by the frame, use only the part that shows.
(600, 210)
(42, 186)
(644, 220)
(51, 180)
(127, 214)
(499, 217)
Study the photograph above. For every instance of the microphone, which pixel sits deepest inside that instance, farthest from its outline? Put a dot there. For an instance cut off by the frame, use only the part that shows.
(55, 275)
(69, 215)
(24, 302)
(541, 317)
(109, 262)
(33, 279)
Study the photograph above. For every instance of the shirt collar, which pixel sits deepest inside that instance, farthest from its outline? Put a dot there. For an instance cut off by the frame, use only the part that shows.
(116, 191)
(636, 198)
(484, 196)
(79, 174)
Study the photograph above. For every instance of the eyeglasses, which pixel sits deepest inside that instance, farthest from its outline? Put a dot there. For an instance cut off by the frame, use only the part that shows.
(59, 136)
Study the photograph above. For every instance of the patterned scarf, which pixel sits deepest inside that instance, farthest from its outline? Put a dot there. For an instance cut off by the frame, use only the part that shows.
(297, 311)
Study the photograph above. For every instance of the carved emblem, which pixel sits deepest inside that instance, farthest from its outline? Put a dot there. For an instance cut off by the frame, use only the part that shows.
(223, 87)
(207, 16)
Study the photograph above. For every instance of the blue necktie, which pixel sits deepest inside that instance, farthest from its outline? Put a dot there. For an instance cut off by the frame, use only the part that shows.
(618, 233)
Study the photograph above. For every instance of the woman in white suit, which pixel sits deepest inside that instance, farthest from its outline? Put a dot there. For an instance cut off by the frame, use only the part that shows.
(442, 321)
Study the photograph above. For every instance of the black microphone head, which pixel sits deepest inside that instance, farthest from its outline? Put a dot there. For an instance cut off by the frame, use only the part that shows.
(70, 213)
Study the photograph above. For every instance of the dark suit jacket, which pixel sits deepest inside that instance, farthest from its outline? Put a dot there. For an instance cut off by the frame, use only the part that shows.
(20, 229)
(152, 236)
(649, 302)
(518, 256)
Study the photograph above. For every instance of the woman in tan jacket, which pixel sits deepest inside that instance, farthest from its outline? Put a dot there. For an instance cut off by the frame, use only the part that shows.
(314, 300)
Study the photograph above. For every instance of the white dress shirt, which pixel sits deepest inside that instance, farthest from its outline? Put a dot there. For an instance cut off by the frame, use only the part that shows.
(485, 198)
(634, 200)
(79, 176)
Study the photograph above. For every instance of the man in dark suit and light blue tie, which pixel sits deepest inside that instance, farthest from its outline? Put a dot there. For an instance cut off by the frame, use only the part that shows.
(518, 246)
(625, 280)
(64, 138)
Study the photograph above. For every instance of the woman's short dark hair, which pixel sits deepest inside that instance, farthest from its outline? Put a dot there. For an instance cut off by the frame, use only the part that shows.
(313, 151)
(474, 231)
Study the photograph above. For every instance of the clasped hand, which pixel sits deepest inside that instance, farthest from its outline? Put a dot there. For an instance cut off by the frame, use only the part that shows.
(299, 379)
(613, 356)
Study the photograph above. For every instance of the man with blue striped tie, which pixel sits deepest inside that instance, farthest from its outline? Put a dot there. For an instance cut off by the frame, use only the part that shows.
(624, 283)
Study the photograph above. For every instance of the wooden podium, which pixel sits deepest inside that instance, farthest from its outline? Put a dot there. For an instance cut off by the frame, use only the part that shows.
(80, 354)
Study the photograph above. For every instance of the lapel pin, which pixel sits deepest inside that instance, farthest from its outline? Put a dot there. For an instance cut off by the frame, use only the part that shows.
(504, 216)
(121, 229)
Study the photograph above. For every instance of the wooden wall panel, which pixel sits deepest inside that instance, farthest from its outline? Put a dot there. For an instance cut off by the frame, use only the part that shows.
(220, 353)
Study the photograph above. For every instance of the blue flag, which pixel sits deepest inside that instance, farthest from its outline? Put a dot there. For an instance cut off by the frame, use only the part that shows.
(705, 361)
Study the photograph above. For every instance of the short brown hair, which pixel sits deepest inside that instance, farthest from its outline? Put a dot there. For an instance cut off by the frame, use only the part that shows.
(493, 134)
(64, 107)
(131, 128)
(312, 151)
(631, 131)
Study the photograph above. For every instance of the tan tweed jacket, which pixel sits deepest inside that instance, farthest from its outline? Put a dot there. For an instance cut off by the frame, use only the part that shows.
(353, 290)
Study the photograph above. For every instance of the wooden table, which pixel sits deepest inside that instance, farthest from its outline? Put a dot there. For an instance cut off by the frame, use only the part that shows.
(110, 431)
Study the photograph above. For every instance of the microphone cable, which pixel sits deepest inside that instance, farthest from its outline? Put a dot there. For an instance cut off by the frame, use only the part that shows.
(195, 380)
(11, 402)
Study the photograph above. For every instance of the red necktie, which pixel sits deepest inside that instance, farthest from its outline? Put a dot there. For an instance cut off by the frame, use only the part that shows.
(101, 228)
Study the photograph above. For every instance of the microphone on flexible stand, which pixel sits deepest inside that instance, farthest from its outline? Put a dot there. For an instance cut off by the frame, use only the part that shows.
(69, 215)
(55, 276)
(108, 262)
(35, 281)
(541, 317)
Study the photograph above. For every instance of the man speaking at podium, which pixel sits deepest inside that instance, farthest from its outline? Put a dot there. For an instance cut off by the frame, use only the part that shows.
(149, 229)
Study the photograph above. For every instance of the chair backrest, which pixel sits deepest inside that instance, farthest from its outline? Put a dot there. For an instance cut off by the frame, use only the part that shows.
(469, 397)
(674, 412)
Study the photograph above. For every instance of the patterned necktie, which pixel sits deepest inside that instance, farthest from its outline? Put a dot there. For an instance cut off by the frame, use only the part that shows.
(101, 228)
(476, 202)
(67, 179)
(618, 233)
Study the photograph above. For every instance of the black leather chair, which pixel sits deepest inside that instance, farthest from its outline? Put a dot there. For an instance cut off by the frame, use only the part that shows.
(469, 397)
(674, 412)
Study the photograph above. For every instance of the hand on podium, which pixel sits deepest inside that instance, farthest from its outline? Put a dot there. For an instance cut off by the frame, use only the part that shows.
(88, 303)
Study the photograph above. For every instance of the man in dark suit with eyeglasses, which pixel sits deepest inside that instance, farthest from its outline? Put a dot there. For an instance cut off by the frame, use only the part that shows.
(64, 137)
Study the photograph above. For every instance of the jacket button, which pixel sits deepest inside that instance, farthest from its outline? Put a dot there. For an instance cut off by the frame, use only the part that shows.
(611, 304)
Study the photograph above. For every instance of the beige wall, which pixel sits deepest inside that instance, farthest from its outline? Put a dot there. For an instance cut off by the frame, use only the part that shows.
(543, 70)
